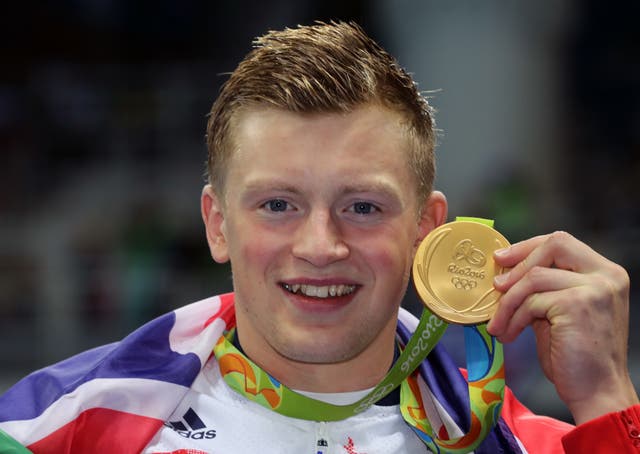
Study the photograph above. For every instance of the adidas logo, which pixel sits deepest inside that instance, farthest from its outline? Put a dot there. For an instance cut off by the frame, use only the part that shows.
(191, 426)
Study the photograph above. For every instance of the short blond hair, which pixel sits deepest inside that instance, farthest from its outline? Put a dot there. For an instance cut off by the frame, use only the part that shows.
(321, 68)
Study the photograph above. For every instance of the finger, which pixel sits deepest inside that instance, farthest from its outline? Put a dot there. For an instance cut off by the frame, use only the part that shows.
(538, 280)
(573, 306)
(553, 307)
(510, 256)
(536, 307)
(559, 250)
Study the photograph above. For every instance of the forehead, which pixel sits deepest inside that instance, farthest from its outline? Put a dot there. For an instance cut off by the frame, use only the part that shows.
(365, 128)
(364, 147)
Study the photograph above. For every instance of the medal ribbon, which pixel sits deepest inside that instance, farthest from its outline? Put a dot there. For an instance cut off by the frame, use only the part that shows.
(485, 364)
(486, 391)
(249, 379)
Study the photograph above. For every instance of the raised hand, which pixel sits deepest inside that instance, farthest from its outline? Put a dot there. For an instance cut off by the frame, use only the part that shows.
(577, 302)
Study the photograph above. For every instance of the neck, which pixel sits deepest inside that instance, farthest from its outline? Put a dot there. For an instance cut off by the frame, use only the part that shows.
(364, 370)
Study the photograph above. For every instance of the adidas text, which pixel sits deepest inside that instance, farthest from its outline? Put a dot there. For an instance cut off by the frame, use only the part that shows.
(197, 435)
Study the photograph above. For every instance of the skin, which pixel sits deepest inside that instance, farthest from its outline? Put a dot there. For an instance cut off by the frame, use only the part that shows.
(321, 200)
(324, 166)
(578, 305)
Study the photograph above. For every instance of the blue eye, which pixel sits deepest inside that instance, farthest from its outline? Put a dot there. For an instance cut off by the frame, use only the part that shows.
(276, 205)
(363, 208)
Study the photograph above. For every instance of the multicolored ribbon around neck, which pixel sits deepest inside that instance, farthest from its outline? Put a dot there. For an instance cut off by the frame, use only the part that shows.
(248, 379)
(486, 389)
(485, 365)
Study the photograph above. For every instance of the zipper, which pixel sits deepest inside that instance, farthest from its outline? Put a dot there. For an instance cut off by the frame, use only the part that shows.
(632, 429)
(322, 441)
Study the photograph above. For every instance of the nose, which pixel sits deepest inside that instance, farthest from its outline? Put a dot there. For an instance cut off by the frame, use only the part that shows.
(319, 240)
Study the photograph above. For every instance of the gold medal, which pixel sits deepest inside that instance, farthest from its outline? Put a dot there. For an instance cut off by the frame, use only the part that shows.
(453, 271)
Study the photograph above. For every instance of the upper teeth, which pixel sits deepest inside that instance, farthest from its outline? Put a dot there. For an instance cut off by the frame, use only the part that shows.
(320, 291)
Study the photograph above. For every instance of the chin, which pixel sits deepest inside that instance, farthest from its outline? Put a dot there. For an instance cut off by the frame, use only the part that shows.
(318, 357)
(318, 352)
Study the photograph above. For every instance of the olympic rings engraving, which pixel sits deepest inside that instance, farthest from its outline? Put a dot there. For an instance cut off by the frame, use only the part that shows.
(463, 284)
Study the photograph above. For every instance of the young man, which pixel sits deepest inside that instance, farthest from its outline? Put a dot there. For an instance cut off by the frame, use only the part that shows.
(320, 190)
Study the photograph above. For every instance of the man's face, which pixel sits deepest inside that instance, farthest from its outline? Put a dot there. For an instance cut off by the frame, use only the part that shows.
(320, 220)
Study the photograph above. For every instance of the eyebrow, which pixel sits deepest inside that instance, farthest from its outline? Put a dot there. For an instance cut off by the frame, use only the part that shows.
(377, 186)
(271, 185)
(277, 185)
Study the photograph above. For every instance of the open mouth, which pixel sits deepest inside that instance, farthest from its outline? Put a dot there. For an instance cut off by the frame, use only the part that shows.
(322, 291)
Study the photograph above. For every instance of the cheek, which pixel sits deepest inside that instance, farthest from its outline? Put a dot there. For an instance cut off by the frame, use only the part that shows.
(259, 251)
(388, 255)
(259, 247)
(246, 243)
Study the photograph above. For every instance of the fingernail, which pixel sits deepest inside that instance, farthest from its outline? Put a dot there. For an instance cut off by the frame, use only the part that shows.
(491, 330)
(501, 252)
(500, 279)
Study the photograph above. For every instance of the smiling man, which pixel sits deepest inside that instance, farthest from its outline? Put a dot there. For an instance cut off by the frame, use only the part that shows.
(321, 169)
(320, 217)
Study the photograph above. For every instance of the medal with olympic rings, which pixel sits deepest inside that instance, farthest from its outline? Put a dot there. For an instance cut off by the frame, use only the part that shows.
(453, 271)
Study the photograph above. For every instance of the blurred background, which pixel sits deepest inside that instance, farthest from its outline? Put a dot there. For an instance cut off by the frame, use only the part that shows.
(102, 116)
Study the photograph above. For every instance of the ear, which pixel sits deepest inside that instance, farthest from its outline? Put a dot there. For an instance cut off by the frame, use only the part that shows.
(433, 214)
(214, 223)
